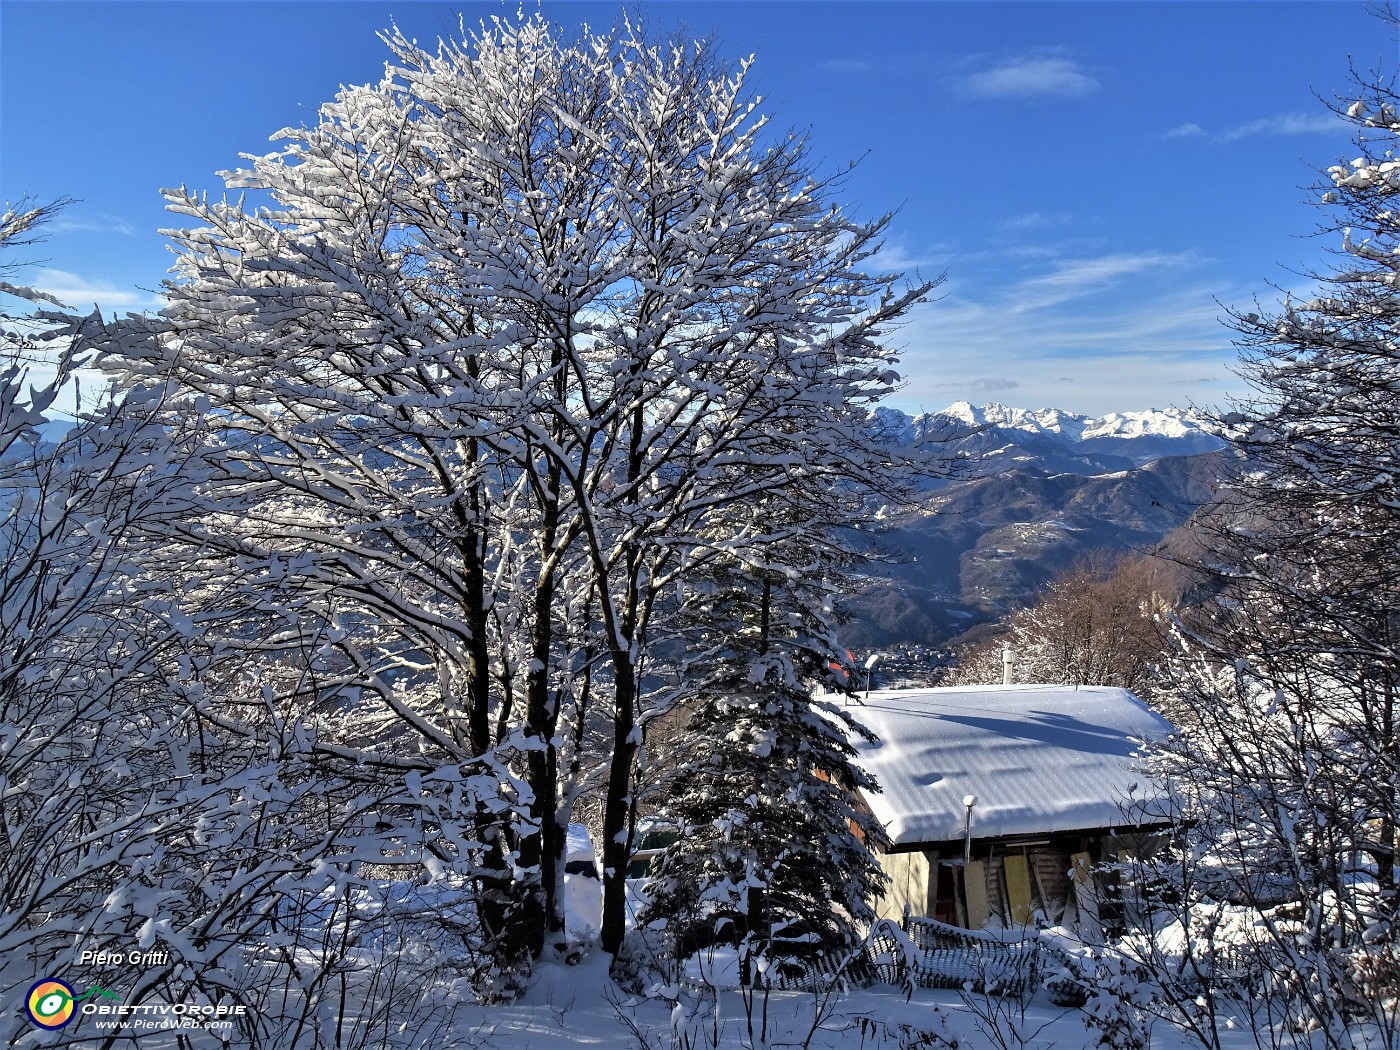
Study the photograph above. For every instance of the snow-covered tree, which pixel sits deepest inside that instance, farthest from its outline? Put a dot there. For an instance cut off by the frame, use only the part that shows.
(154, 792)
(86, 760)
(1096, 624)
(774, 852)
(480, 369)
(1286, 692)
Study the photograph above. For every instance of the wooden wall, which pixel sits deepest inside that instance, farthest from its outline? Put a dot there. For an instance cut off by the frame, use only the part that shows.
(1008, 885)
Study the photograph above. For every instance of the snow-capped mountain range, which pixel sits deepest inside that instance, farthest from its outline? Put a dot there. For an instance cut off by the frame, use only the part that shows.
(1052, 439)
(1032, 493)
(1150, 423)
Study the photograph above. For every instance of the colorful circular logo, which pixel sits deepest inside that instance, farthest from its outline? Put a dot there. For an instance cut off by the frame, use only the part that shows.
(50, 1003)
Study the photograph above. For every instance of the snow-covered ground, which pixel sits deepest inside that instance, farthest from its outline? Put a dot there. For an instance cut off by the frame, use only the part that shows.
(579, 1007)
(567, 1005)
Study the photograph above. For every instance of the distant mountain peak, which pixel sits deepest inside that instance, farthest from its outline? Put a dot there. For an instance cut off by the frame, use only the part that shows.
(1035, 491)
(1151, 421)
(1162, 423)
(1138, 437)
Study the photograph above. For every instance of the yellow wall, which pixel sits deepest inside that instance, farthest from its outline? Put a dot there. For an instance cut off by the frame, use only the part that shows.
(910, 876)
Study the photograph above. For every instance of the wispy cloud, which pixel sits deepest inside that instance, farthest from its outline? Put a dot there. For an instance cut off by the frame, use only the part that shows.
(101, 222)
(1286, 124)
(990, 385)
(928, 261)
(82, 294)
(1028, 251)
(1044, 76)
(1186, 131)
(1152, 335)
(1074, 278)
(1279, 124)
(1139, 353)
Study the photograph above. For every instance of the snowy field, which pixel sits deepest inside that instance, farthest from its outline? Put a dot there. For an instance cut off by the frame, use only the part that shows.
(579, 1007)
(567, 1005)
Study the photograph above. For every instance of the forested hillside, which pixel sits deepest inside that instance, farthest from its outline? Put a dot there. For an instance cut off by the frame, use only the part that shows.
(1030, 505)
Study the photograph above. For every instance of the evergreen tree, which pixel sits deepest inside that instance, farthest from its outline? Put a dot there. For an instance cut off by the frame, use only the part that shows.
(775, 852)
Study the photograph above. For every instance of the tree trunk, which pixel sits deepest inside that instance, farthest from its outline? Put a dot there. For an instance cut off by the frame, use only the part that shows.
(540, 846)
(618, 809)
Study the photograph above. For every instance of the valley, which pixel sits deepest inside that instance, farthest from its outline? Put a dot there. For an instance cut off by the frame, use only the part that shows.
(1037, 492)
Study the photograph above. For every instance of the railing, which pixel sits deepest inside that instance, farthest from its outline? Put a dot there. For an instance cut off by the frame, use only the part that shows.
(950, 957)
(936, 955)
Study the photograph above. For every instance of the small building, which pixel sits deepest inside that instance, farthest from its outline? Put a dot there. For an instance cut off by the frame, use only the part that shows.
(1053, 786)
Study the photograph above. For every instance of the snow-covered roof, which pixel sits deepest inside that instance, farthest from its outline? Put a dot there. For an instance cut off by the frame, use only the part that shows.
(1039, 758)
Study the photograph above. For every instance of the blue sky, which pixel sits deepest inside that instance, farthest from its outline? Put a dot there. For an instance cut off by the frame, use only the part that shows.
(1098, 180)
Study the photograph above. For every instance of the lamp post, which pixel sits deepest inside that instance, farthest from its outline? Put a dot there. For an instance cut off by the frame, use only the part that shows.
(870, 672)
(969, 801)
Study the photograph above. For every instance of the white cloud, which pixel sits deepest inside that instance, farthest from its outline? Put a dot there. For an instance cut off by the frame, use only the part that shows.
(81, 294)
(1168, 351)
(1185, 131)
(1073, 278)
(1031, 76)
(102, 222)
(1279, 124)
(929, 261)
(1154, 337)
(1286, 124)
